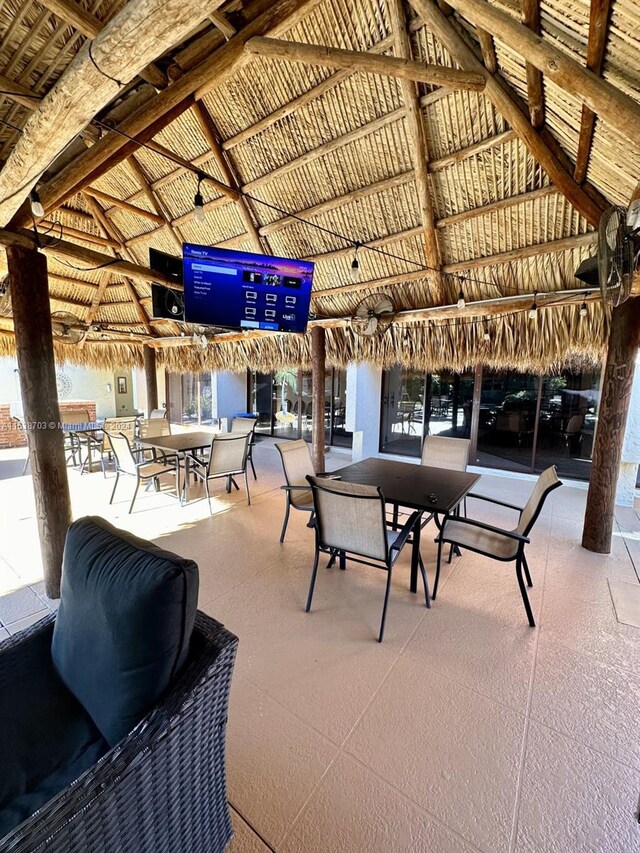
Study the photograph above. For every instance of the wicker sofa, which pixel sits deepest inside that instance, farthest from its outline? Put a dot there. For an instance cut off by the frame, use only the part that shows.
(162, 787)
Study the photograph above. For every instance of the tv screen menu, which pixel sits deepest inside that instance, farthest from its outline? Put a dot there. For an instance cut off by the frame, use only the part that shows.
(242, 290)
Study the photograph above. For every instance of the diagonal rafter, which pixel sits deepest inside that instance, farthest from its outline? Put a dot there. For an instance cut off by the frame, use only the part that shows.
(210, 133)
(507, 103)
(110, 230)
(598, 28)
(154, 201)
(417, 138)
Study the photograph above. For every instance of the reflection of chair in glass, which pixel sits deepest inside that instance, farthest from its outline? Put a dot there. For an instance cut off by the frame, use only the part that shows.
(144, 471)
(300, 406)
(350, 522)
(246, 426)
(516, 423)
(495, 542)
(404, 415)
(297, 465)
(571, 434)
(227, 458)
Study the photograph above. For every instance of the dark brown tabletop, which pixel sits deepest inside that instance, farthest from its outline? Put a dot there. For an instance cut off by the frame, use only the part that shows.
(182, 442)
(410, 485)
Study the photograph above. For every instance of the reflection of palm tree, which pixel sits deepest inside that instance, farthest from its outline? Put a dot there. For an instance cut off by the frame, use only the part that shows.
(284, 378)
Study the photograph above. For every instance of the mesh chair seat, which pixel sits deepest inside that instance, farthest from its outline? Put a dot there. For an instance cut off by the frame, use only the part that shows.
(154, 469)
(467, 536)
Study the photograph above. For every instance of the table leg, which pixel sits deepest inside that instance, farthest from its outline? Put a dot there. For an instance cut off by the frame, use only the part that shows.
(187, 472)
(415, 557)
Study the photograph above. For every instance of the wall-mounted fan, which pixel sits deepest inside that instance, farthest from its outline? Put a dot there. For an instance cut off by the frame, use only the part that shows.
(616, 255)
(67, 328)
(373, 316)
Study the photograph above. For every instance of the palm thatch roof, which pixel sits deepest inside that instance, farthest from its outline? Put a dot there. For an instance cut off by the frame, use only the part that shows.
(441, 188)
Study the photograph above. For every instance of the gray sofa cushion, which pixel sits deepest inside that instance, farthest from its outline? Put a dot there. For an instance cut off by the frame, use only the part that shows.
(125, 620)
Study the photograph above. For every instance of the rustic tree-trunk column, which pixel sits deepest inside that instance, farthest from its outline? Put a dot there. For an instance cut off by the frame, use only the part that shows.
(318, 350)
(151, 378)
(624, 339)
(34, 349)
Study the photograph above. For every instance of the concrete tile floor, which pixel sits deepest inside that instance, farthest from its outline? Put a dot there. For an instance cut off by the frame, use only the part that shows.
(464, 731)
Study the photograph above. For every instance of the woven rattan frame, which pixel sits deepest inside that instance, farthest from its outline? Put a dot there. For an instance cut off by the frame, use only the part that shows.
(162, 789)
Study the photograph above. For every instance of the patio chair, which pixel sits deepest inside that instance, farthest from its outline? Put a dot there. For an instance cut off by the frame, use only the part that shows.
(157, 414)
(71, 439)
(297, 465)
(350, 522)
(144, 471)
(227, 458)
(495, 542)
(246, 426)
(101, 441)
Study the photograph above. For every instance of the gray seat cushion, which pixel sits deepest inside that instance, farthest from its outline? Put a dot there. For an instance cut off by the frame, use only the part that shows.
(124, 625)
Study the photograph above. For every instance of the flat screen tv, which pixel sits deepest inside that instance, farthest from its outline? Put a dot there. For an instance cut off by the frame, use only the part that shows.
(242, 290)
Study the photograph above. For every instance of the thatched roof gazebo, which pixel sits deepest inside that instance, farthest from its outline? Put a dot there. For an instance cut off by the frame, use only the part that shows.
(463, 148)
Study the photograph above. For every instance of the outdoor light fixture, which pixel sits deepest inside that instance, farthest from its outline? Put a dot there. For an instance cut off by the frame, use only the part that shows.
(583, 310)
(36, 205)
(461, 302)
(355, 265)
(198, 203)
(533, 311)
(486, 336)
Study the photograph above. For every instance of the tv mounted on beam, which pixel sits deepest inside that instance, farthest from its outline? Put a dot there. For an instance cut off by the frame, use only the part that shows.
(242, 290)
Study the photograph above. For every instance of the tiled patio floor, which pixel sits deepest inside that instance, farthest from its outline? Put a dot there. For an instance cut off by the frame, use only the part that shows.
(465, 730)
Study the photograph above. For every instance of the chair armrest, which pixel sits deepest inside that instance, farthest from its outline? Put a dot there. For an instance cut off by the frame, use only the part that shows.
(186, 729)
(405, 531)
(297, 488)
(481, 524)
(494, 501)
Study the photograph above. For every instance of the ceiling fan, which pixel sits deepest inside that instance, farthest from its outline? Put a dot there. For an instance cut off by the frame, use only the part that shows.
(67, 328)
(618, 254)
(373, 315)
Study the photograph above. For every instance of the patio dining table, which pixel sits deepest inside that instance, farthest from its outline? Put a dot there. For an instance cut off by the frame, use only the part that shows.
(437, 491)
(88, 429)
(183, 444)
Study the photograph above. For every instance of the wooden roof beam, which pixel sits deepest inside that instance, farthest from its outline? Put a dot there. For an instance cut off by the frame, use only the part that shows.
(420, 153)
(531, 18)
(598, 29)
(495, 206)
(369, 63)
(299, 102)
(620, 111)
(488, 48)
(118, 53)
(141, 178)
(212, 138)
(88, 257)
(213, 70)
(505, 100)
(90, 26)
(123, 205)
(18, 93)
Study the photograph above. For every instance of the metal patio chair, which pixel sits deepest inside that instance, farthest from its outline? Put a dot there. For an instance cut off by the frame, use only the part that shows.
(144, 471)
(297, 465)
(227, 458)
(246, 426)
(498, 543)
(351, 523)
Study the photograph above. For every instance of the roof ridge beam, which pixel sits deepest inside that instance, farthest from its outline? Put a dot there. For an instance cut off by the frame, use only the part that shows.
(620, 111)
(303, 99)
(369, 63)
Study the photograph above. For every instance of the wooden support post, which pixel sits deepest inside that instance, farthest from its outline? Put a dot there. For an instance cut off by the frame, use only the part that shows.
(34, 351)
(615, 394)
(318, 352)
(151, 378)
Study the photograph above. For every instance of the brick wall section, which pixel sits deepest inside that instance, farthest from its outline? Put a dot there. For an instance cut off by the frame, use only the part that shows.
(12, 436)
